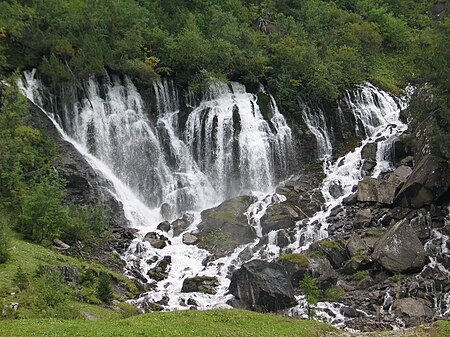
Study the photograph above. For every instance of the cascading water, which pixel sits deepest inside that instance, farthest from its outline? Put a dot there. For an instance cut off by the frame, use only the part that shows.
(377, 113)
(154, 162)
(232, 142)
(315, 120)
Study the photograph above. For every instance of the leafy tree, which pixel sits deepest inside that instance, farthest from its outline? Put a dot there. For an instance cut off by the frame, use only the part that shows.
(311, 291)
(104, 289)
(43, 216)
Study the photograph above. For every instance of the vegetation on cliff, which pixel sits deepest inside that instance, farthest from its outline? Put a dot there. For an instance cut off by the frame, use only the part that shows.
(313, 47)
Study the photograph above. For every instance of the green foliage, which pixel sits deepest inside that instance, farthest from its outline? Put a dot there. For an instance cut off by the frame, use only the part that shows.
(333, 294)
(311, 291)
(127, 310)
(43, 216)
(4, 243)
(360, 275)
(299, 259)
(104, 289)
(21, 279)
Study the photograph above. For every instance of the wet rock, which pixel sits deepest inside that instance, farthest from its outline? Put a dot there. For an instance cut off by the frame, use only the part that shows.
(362, 218)
(164, 226)
(179, 226)
(189, 239)
(399, 249)
(351, 199)
(156, 241)
(201, 284)
(166, 211)
(225, 227)
(356, 263)
(160, 271)
(403, 172)
(280, 216)
(369, 151)
(351, 312)
(414, 311)
(428, 182)
(262, 286)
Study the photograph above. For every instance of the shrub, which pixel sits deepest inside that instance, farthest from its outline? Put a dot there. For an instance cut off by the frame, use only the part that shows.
(4, 253)
(20, 279)
(333, 294)
(104, 289)
(311, 291)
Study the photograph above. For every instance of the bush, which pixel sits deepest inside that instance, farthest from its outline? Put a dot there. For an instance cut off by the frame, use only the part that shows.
(20, 279)
(311, 291)
(43, 215)
(333, 294)
(104, 289)
(4, 253)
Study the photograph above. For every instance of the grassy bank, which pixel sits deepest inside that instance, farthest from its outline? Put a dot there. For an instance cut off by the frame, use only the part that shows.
(181, 323)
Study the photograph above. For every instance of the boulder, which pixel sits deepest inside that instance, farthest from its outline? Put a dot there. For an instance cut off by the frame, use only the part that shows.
(156, 240)
(262, 286)
(201, 284)
(189, 239)
(403, 172)
(380, 190)
(414, 311)
(296, 266)
(323, 272)
(427, 183)
(160, 271)
(334, 251)
(225, 227)
(356, 246)
(280, 216)
(399, 250)
(164, 226)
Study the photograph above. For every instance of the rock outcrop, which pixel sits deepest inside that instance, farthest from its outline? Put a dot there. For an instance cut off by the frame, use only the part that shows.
(262, 286)
(225, 227)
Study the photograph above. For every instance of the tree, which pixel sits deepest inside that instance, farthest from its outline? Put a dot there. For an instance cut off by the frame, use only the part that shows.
(21, 279)
(311, 291)
(104, 289)
(4, 254)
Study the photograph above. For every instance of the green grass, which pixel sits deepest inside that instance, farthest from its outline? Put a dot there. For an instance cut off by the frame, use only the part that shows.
(29, 256)
(297, 258)
(443, 328)
(182, 323)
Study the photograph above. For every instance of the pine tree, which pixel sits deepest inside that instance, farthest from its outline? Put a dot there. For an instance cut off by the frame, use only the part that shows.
(104, 289)
(311, 291)
(21, 279)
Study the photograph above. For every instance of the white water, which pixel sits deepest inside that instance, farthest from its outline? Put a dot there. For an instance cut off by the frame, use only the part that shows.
(315, 121)
(151, 163)
(379, 115)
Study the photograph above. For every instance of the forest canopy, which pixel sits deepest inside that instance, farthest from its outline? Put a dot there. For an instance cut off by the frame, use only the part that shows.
(313, 47)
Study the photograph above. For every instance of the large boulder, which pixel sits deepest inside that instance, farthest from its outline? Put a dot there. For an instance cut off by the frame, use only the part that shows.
(414, 311)
(262, 286)
(225, 227)
(399, 250)
(380, 190)
(428, 182)
(280, 216)
(201, 284)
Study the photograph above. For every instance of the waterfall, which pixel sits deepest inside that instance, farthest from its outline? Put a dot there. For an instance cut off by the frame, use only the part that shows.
(153, 160)
(315, 121)
(226, 147)
(378, 114)
(232, 142)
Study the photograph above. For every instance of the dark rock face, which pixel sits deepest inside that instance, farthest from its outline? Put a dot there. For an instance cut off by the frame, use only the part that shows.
(280, 216)
(428, 182)
(262, 286)
(201, 284)
(400, 250)
(225, 227)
